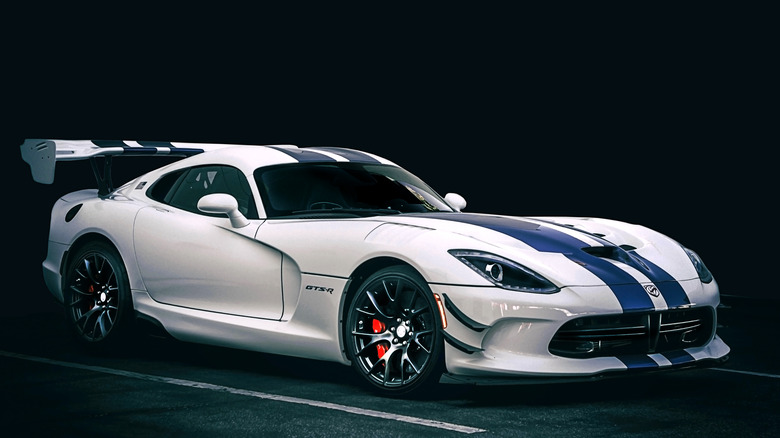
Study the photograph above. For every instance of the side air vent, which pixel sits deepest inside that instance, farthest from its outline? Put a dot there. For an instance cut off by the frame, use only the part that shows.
(72, 213)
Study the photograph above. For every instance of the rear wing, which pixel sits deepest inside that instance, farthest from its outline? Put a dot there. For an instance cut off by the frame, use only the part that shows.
(42, 155)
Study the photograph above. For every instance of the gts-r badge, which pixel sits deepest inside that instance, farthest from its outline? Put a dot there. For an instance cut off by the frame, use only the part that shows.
(320, 289)
(652, 290)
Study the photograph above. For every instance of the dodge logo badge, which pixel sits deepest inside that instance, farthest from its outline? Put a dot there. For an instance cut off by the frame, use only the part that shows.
(652, 290)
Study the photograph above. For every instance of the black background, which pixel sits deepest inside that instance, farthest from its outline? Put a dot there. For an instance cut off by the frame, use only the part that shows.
(657, 117)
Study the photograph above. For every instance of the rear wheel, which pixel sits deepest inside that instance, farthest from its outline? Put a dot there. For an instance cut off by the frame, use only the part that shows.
(98, 304)
(393, 332)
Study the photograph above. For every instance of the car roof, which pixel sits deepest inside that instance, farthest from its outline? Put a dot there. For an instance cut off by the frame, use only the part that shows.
(251, 157)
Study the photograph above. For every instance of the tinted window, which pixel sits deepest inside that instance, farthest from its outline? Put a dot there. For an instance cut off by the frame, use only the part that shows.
(160, 189)
(184, 188)
(292, 189)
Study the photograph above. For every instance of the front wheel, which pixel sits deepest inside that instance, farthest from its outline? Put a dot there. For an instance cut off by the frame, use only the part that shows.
(393, 332)
(98, 304)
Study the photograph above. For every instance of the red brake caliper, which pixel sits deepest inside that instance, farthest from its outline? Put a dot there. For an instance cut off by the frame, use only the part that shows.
(91, 290)
(379, 327)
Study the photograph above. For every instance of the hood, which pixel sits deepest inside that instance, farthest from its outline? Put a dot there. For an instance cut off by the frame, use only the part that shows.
(650, 264)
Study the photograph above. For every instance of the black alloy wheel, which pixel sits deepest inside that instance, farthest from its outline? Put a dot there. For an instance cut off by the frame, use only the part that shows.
(393, 333)
(97, 296)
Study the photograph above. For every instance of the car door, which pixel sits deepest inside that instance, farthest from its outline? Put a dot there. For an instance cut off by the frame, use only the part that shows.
(190, 259)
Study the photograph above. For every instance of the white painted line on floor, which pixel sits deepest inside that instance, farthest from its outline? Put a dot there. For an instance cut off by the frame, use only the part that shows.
(248, 393)
(751, 373)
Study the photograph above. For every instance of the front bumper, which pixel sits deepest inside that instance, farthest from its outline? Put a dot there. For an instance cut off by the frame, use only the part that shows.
(495, 334)
(449, 378)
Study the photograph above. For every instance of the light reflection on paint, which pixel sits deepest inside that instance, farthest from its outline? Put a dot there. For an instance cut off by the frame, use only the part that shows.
(502, 308)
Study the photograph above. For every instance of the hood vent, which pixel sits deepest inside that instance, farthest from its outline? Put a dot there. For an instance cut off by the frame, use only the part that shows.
(615, 253)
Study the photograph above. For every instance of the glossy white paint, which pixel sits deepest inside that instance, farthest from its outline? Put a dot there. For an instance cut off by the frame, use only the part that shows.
(279, 285)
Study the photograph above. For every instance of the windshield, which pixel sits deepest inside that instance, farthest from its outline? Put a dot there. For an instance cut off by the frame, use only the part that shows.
(350, 189)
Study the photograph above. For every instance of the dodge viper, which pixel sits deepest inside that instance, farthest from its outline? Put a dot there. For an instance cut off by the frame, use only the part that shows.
(340, 255)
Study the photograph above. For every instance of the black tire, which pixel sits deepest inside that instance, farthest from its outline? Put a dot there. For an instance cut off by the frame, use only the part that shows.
(98, 304)
(393, 333)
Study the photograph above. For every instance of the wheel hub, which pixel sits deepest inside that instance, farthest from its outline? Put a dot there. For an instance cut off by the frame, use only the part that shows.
(402, 332)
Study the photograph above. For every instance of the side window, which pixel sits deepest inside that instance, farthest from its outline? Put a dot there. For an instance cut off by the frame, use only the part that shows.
(183, 189)
(162, 188)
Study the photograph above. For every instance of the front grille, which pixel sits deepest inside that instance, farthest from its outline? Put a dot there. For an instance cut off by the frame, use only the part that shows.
(634, 333)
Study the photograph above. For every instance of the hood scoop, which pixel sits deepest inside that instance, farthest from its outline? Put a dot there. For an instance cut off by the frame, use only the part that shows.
(616, 253)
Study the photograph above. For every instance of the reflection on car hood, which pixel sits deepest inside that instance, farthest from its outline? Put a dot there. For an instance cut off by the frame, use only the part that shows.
(615, 264)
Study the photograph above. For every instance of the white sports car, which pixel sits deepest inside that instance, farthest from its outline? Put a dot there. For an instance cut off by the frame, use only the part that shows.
(340, 255)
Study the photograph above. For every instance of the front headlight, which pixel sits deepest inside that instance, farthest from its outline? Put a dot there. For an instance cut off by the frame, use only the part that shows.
(704, 274)
(505, 273)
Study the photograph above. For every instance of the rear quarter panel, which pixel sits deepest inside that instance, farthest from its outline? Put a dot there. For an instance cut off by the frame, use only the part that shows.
(111, 217)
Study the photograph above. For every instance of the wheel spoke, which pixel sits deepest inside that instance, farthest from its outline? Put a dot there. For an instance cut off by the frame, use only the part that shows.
(82, 275)
(80, 292)
(85, 317)
(365, 312)
(412, 299)
(402, 293)
(95, 327)
(388, 373)
(415, 312)
(90, 271)
(388, 366)
(102, 324)
(111, 277)
(387, 291)
(372, 298)
(417, 337)
(408, 360)
(79, 300)
(374, 340)
(377, 365)
(395, 304)
(102, 262)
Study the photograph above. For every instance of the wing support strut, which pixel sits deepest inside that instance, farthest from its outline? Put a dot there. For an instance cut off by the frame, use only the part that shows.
(104, 180)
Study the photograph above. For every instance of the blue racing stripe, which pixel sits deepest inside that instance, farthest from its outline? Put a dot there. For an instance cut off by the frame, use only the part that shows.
(156, 144)
(679, 357)
(304, 155)
(671, 290)
(540, 238)
(638, 362)
(109, 143)
(148, 148)
(185, 151)
(139, 151)
(631, 295)
(351, 155)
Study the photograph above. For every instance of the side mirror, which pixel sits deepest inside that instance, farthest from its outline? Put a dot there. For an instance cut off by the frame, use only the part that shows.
(455, 201)
(224, 204)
